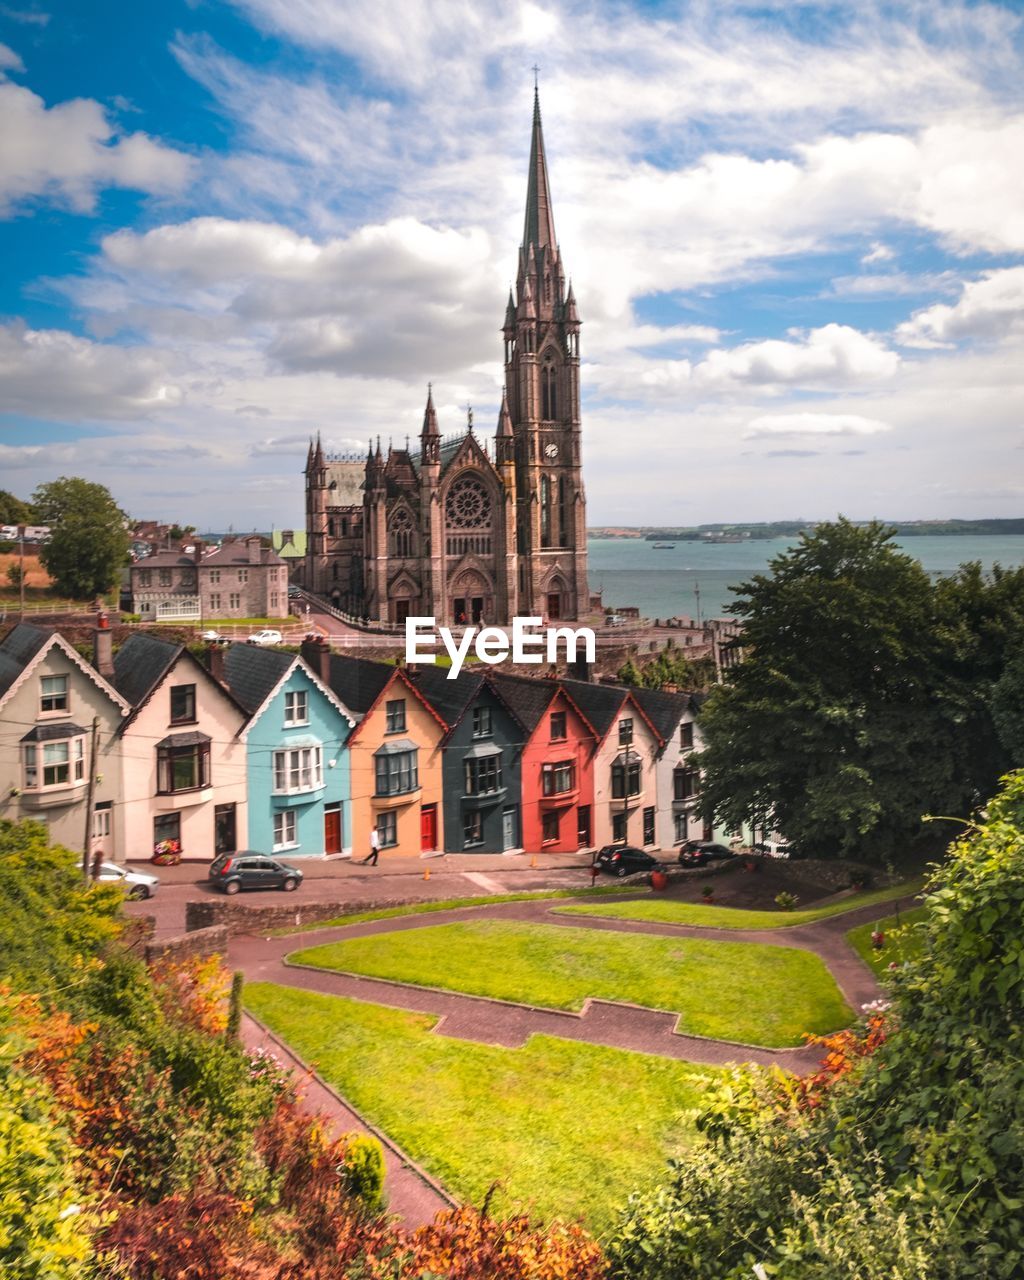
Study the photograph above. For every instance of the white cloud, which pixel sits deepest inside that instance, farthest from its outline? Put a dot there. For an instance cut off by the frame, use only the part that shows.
(834, 355)
(878, 253)
(69, 152)
(814, 424)
(9, 60)
(991, 307)
(52, 373)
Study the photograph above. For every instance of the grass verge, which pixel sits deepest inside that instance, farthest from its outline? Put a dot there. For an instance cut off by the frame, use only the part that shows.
(756, 994)
(902, 940)
(567, 1129)
(665, 911)
(451, 904)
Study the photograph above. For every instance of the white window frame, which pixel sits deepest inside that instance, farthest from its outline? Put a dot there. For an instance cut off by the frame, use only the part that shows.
(682, 826)
(387, 829)
(34, 764)
(102, 820)
(298, 770)
(65, 699)
(285, 830)
(296, 707)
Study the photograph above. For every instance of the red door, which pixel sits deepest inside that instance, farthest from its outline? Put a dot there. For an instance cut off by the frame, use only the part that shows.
(428, 827)
(332, 830)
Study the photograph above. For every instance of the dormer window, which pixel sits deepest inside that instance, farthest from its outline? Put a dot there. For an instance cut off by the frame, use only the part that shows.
(686, 736)
(558, 726)
(296, 707)
(626, 732)
(183, 704)
(53, 695)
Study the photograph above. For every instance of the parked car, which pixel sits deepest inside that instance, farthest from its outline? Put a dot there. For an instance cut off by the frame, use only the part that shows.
(136, 884)
(777, 848)
(266, 636)
(624, 860)
(294, 593)
(695, 853)
(248, 869)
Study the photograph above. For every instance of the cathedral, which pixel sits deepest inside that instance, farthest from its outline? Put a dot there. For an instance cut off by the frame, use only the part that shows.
(468, 529)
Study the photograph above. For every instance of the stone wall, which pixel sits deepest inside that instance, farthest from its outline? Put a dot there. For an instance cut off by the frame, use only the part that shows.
(212, 940)
(236, 917)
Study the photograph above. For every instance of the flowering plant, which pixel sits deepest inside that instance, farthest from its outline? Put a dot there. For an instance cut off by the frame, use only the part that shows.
(166, 853)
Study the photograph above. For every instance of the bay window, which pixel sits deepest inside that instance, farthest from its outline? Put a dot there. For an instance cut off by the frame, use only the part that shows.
(483, 775)
(556, 778)
(298, 769)
(625, 777)
(397, 772)
(182, 763)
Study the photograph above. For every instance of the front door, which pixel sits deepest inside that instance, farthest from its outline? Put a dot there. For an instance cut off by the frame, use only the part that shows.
(554, 604)
(477, 608)
(332, 828)
(509, 829)
(224, 839)
(459, 610)
(428, 827)
(583, 826)
(401, 611)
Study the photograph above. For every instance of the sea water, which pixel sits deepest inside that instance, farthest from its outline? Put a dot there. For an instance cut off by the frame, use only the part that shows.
(699, 577)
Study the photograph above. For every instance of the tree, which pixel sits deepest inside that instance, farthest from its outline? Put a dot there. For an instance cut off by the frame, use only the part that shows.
(14, 511)
(1007, 704)
(841, 728)
(15, 574)
(88, 540)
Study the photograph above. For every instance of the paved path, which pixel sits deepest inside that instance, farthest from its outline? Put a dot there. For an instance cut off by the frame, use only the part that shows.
(510, 1025)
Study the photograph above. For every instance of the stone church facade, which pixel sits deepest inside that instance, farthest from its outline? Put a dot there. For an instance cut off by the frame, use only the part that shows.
(468, 530)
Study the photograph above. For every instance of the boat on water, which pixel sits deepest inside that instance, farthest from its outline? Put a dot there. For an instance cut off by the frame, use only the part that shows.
(664, 546)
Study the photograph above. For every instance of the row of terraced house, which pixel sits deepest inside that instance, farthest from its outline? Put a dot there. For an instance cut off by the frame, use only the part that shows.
(306, 753)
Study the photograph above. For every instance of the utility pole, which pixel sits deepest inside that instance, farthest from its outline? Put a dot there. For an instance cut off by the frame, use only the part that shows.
(21, 571)
(90, 797)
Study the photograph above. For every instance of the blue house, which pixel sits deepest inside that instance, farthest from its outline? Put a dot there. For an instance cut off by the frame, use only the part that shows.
(296, 758)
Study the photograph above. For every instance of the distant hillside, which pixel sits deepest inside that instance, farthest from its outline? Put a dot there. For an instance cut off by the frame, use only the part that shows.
(792, 528)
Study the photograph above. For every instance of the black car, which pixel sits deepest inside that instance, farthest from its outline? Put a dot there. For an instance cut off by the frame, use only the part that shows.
(696, 853)
(623, 860)
(250, 870)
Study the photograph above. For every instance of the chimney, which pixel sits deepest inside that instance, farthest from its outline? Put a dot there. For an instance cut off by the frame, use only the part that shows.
(254, 546)
(316, 654)
(581, 669)
(197, 550)
(103, 646)
(215, 662)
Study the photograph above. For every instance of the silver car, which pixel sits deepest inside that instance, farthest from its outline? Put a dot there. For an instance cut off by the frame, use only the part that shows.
(136, 884)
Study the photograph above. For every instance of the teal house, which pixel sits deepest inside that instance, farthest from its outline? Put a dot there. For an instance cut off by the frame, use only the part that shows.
(296, 759)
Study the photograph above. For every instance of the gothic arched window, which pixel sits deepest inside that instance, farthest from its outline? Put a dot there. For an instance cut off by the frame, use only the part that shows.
(548, 390)
(545, 511)
(400, 529)
(467, 518)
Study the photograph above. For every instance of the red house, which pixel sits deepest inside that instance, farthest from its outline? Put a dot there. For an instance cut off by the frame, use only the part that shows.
(556, 765)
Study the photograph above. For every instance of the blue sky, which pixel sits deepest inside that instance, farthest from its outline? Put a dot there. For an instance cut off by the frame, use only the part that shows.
(796, 233)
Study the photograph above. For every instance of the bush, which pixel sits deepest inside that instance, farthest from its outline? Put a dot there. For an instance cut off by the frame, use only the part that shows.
(363, 1171)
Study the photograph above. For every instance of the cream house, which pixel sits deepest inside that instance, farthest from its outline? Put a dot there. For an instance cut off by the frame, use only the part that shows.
(183, 762)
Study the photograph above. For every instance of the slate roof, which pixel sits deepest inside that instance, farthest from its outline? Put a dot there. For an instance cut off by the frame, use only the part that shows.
(251, 672)
(358, 681)
(18, 649)
(166, 560)
(526, 698)
(600, 703)
(449, 698)
(665, 710)
(235, 552)
(140, 664)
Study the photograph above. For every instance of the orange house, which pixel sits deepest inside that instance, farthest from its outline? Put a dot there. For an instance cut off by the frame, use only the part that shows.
(394, 759)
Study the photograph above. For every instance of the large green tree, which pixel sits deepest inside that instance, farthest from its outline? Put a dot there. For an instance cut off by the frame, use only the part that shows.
(88, 540)
(14, 511)
(841, 727)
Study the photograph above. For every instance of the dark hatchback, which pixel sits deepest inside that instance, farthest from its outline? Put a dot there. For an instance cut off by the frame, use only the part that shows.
(696, 853)
(232, 872)
(623, 860)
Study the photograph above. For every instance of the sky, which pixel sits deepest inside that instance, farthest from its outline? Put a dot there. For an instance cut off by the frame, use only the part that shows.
(795, 233)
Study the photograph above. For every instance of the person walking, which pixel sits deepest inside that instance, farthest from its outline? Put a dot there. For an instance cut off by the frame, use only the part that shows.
(374, 853)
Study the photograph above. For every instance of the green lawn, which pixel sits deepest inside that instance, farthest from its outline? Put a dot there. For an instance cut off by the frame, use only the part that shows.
(901, 943)
(568, 1129)
(450, 904)
(742, 991)
(665, 911)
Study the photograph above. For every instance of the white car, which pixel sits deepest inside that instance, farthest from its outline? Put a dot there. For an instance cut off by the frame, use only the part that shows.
(212, 636)
(136, 884)
(265, 637)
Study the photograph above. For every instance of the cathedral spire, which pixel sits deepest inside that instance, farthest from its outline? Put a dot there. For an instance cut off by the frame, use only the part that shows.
(430, 414)
(539, 229)
(504, 417)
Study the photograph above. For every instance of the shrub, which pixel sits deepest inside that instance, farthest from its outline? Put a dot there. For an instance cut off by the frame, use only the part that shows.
(363, 1171)
(786, 901)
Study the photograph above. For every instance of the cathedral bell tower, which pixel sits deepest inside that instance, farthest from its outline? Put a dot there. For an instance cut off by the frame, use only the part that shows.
(542, 377)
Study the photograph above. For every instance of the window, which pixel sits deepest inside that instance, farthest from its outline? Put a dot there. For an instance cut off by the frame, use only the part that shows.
(648, 826)
(387, 830)
(685, 783)
(166, 826)
(300, 769)
(101, 824)
(215, 577)
(482, 722)
(296, 707)
(472, 829)
(273, 599)
(558, 733)
(243, 577)
(400, 528)
(548, 388)
(54, 764)
(626, 732)
(483, 776)
(183, 704)
(625, 779)
(182, 766)
(215, 602)
(686, 735)
(145, 577)
(284, 830)
(557, 778)
(53, 694)
(545, 511)
(681, 821)
(619, 828)
(395, 713)
(164, 576)
(234, 600)
(397, 773)
(549, 828)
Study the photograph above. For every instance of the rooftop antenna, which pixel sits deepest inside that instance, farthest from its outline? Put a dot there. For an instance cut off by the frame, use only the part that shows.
(536, 73)
(469, 418)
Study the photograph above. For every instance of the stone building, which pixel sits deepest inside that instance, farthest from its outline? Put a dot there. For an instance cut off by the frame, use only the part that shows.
(239, 579)
(467, 530)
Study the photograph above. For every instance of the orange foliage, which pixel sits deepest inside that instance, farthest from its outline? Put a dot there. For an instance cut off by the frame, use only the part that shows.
(842, 1052)
(193, 991)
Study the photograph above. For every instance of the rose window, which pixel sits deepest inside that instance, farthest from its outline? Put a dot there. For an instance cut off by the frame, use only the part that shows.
(468, 504)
